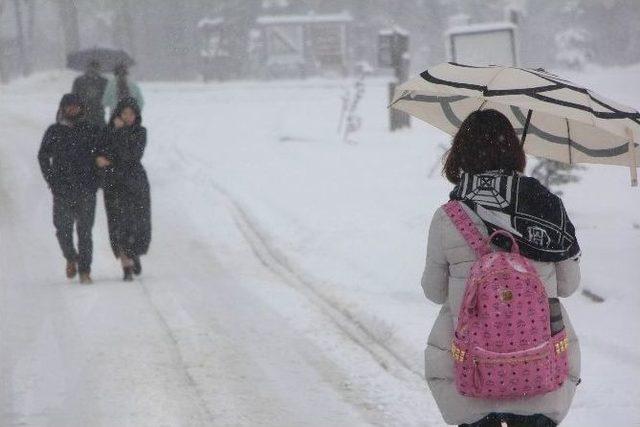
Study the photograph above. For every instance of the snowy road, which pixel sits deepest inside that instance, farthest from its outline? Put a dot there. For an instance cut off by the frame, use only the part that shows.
(219, 330)
(282, 284)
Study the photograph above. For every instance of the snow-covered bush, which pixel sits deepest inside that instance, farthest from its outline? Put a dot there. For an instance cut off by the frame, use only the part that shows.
(572, 51)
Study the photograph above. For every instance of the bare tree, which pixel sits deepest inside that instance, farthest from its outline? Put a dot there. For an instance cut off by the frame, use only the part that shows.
(29, 34)
(4, 74)
(69, 18)
(123, 30)
(22, 54)
(24, 33)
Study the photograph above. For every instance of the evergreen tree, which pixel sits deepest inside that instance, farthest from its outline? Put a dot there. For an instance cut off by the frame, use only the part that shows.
(554, 174)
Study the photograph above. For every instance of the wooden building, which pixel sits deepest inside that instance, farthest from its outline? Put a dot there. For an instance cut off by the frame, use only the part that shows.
(302, 45)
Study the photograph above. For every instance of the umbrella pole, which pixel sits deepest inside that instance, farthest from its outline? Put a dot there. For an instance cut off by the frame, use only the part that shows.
(568, 140)
(634, 161)
(526, 126)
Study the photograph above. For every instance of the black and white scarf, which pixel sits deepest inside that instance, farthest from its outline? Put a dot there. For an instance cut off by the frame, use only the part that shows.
(525, 208)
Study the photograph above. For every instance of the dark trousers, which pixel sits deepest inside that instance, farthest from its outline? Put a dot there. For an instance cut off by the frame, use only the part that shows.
(112, 208)
(79, 210)
(493, 420)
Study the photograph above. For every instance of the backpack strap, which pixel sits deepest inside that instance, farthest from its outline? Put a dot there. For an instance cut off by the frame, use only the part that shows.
(464, 224)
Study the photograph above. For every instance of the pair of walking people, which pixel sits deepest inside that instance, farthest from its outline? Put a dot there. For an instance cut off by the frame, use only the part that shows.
(522, 381)
(76, 157)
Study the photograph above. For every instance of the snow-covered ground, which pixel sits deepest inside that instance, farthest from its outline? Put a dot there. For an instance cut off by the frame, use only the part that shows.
(282, 287)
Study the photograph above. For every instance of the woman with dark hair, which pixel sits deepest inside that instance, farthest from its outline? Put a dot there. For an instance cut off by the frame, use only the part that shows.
(126, 187)
(486, 164)
(485, 142)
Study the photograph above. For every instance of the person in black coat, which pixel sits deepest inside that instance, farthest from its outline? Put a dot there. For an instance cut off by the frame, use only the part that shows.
(90, 88)
(126, 187)
(66, 161)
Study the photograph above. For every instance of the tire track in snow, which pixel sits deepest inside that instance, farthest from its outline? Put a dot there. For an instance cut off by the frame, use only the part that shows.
(352, 328)
(176, 346)
(30, 123)
(41, 385)
(347, 322)
(356, 330)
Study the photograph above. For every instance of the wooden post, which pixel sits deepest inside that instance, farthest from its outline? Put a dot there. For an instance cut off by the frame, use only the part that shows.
(404, 119)
(392, 50)
(633, 164)
(394, 115)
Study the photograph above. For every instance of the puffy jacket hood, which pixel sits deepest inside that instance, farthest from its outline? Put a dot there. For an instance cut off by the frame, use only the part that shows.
(128, 102)
(67, 100)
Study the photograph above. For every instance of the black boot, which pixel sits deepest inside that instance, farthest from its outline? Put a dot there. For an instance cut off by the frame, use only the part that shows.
(137, 267)
(128, 274)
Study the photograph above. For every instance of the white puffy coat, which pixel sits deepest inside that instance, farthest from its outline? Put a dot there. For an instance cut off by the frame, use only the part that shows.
(449, 259)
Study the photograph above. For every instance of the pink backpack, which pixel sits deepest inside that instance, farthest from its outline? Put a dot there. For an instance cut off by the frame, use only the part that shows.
(503, 346)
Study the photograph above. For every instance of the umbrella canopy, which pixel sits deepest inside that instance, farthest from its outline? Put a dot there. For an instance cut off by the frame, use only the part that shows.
(555, 118)
(107, 58)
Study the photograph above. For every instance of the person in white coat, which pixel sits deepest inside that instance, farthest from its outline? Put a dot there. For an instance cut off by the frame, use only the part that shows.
(486, 163)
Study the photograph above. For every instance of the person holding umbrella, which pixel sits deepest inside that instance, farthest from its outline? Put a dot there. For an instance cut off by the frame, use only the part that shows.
(126, 187)
(94, 59)
(496, 114)
(90, 88)
(486, 164)
(66, 161)
(121, 87)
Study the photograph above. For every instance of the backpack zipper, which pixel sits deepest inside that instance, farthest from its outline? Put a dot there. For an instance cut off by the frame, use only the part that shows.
(493, 360)
(486, 360)
(486, 277)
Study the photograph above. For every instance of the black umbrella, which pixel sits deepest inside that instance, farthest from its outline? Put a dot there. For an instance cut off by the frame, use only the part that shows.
(107, 58)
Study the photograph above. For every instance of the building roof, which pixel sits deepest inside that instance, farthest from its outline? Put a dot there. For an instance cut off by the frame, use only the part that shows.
(481, 28)
(304, 19)
(210, 22)
(394, 29)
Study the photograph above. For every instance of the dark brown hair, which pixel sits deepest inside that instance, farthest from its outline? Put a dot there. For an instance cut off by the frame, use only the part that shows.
(485, 141)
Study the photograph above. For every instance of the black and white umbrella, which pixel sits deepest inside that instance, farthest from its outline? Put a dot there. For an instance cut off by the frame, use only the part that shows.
(555, 118)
